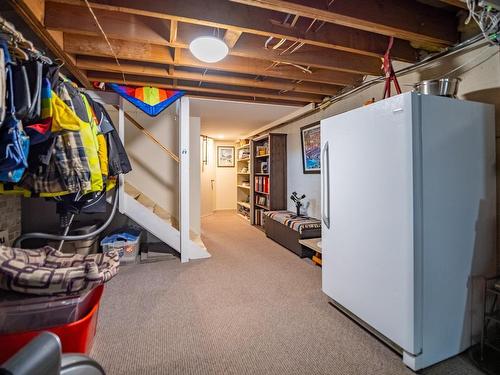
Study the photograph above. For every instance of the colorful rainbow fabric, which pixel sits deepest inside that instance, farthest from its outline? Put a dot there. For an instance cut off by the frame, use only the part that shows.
(150, 100)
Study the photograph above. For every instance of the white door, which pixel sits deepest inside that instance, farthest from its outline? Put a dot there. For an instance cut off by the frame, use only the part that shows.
(368, 265)
(207, 177)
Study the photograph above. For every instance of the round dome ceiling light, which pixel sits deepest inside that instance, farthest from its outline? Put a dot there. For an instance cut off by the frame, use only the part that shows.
(208, 49)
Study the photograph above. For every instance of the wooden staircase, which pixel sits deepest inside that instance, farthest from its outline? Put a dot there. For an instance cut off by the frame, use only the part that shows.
(156, 220)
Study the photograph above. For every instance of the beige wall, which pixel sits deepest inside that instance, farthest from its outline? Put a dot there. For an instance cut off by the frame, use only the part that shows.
(154, 172)
(480, 82)
(225, 182)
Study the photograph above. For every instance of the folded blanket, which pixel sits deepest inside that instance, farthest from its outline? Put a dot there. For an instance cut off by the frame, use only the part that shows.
(46, 271)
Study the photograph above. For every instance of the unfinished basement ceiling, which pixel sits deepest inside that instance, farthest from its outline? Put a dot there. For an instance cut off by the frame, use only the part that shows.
(231, 120)
(290, 52)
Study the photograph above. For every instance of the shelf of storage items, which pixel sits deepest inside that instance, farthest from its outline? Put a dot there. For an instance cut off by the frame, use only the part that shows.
(243, 173)
(268, 175)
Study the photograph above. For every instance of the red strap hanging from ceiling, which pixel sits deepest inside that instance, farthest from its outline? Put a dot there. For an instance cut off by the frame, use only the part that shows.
(390, 75)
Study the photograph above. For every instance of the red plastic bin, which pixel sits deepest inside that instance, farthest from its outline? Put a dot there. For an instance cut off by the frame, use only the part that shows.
(76, 337)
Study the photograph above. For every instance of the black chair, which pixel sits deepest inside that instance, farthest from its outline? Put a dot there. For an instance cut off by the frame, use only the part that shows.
(42, 356)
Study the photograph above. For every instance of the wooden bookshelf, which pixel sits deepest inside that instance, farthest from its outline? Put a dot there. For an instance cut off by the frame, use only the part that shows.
(243, 179)
(268, 184)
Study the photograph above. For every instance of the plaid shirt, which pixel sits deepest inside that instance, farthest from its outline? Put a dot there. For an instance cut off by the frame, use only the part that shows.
(61, 166)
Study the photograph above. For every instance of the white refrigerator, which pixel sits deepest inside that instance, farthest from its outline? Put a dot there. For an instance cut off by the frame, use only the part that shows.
(408, 211)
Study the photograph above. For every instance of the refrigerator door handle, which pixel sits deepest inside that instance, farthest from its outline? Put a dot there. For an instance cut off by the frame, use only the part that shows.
(325, 175)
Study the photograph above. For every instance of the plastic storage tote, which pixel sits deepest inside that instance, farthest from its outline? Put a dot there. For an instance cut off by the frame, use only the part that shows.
(76, 337)
(20, 312)
(126, 242)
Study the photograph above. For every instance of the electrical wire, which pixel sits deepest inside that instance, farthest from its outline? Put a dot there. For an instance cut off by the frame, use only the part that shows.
(47, 236)
(487, 19)
(349, 91)
(107, 40)
(468, 62)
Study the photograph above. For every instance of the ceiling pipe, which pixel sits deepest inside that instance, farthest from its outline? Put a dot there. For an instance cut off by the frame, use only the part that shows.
(407, 70)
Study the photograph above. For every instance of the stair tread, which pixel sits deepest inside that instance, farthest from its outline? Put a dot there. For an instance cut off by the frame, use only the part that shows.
(146, 201)
(132, 190)
(159, 211)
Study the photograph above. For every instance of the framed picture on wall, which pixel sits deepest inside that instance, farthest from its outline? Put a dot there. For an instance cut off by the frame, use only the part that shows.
(225, 156)
(310, 136)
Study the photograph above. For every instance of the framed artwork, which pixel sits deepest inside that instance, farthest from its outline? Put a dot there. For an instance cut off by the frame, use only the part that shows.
(311, 148)
(225, 156)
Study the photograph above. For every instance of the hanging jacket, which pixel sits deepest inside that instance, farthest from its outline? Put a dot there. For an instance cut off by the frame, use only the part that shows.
(14, 143)
(54, 108)
(89, 133)
(21, 91)
(102, 153)
(34, 73)
(63, 118)
(3, 87)
(74, 99)
(58, 166)
(118, 160)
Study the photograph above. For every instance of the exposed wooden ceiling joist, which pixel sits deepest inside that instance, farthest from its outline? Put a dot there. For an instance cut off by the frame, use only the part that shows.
(405, 19)
(456, 3)
(301, 98)
(134, 28)
(173, 31)
(95, 46)
(337, 44)
(246, 99)
(231, 37)
(32, 13)
(252, 46)
(226, 15)
(137, 69)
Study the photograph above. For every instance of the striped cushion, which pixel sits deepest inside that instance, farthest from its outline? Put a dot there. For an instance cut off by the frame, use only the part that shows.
(297, 223)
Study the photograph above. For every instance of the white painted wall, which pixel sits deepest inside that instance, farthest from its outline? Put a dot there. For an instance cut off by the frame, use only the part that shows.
(308, 184)
(155, 173)
(194, 175)
(480, 82)
(225, 182)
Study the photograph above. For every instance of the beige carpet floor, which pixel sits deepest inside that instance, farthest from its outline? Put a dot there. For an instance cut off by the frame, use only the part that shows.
(253, 308)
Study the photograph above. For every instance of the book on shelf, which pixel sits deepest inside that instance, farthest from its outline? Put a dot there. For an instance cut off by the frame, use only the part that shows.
(262, 184)
(259, 216)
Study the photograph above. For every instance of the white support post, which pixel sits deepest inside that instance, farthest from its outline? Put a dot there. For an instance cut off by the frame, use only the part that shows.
(121, 134)
(184, 177)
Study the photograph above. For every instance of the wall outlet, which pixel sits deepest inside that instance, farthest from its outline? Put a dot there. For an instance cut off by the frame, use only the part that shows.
(4, 238)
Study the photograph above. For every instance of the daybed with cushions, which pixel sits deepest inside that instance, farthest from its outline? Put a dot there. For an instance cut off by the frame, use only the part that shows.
(287, 229)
